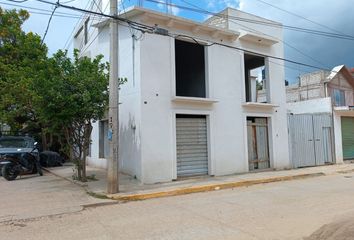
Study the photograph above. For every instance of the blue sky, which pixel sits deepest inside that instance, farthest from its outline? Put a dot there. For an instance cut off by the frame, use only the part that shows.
(315, 50)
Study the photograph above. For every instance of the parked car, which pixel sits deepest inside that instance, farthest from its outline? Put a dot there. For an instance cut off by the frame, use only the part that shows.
(50, 159)
(18, 147)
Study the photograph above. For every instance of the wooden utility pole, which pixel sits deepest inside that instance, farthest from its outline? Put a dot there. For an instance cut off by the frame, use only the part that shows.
(113, 135)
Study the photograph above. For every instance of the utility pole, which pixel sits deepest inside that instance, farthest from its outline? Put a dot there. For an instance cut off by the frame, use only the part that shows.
(113, 134)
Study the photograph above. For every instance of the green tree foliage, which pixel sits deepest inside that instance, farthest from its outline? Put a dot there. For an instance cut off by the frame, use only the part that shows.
(72, 94)
(59, 96)
(22, 56)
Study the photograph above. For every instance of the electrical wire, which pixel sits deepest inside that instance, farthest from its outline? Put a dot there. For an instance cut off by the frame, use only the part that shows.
(262, 33)
(302, 17)
(18, 1)
(151, 29)
(49, 21)
(98, 33)
(98, 7)
(268, 23)
(70, 38)
(39, 9)
(137, 25)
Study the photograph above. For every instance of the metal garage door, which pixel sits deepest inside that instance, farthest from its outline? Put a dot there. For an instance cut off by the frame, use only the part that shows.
(192, 145)
(348, 137)
(310, 139)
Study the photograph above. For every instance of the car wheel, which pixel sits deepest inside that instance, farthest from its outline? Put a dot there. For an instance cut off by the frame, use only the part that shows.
(9, 172)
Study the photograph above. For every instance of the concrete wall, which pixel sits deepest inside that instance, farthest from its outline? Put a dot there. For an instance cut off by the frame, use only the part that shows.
(226, 118)
(311, 86)
(148, 108)
(130, 104)
(130, 130)
(320, 105)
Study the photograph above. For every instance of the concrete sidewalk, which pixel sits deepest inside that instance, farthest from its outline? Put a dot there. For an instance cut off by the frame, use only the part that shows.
(131, 189)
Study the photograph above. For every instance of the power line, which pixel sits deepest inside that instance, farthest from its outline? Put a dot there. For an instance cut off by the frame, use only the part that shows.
(177, 36)
(302, 17)
(48, 24)
(268, 23)
(69, 39)
(136, 25)
(38, 9)
(152, 30)
(256, 31)
(98, 7)
(18, 1)
(98, 31)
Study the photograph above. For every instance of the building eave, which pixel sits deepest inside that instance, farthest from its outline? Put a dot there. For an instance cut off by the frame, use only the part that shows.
(257, 38)
(341, 69)
(173, 23)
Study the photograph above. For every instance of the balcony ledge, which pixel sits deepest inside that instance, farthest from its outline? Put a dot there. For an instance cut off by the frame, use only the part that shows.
(205, 101)
(259, 105)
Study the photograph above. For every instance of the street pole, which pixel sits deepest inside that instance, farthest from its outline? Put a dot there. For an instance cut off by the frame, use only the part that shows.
(113, 135)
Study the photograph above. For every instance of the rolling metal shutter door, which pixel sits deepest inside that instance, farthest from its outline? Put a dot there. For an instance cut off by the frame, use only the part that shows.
(192, 146)
(348, 137)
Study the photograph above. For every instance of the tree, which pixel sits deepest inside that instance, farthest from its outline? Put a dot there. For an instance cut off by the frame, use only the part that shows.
(72, 94)
(58, 96)
(22, 56)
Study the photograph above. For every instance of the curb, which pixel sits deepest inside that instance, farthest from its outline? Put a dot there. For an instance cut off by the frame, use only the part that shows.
(208, 188)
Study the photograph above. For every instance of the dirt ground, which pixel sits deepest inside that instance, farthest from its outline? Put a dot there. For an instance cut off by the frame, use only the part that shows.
(338, 230)
(282, 210)
(32, 196)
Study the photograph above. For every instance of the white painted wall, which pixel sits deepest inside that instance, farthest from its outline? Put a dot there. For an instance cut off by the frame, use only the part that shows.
(338, 113)
(130, 104)
(129, 99)
(337, 127)
(319, 105)
(227, 117)
(147, 112)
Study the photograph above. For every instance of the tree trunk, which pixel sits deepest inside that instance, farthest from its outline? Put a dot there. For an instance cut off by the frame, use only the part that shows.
(86, 145)
(44, 140)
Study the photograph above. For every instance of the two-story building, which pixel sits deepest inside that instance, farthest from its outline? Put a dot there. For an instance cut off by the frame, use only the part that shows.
(323, 103)
(189, 106)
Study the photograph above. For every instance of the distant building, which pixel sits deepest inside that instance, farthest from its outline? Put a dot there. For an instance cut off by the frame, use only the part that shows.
(326, 93)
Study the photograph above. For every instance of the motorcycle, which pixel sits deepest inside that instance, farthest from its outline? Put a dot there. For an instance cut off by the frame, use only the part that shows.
(26, 163)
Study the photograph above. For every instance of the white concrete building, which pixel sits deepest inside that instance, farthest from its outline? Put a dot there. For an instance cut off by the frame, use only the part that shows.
(328, 93)
(187, 108)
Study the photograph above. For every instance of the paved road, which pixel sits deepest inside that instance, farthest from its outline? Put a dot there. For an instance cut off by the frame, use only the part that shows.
(34, 196)
(283, 210)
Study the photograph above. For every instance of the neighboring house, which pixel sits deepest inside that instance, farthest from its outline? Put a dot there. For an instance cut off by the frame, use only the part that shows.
(189, 109)
(321, 113)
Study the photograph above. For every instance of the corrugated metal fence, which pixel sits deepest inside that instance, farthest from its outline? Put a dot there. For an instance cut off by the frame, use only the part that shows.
(310, 139)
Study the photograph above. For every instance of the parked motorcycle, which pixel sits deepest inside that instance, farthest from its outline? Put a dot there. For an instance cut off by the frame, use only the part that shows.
(26, 163)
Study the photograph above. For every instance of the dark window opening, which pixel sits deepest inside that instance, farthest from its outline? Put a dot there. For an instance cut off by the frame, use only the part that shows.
(190, 69)
(86, 30)
(255, 78)
(189, 116)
